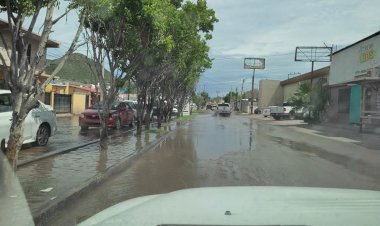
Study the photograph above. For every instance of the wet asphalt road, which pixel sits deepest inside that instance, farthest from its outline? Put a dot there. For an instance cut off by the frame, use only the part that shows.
(235, 151)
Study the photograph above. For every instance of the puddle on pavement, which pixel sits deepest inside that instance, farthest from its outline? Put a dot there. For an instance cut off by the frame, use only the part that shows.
(343, 160)
(176, 163)
(211, 151)
(65, 171)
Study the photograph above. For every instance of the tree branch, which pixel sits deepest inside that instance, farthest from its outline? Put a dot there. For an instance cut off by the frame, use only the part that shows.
(6, 49)
(61, 16)
(72, 48)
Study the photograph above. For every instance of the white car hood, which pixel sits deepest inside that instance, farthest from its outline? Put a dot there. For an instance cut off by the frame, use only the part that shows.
(248, 206)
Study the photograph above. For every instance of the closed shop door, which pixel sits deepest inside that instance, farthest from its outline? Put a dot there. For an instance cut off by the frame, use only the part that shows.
(355, 103)
(47, 98)
(62, 103)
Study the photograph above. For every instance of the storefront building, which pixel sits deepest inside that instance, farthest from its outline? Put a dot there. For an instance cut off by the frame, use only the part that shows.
(355, 81)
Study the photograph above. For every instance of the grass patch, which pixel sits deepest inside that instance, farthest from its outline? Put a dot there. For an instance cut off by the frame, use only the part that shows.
(154, 130)
(184, 119)
(200, 111)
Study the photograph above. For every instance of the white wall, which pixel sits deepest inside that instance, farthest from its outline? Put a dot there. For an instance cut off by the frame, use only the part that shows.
(358, 60)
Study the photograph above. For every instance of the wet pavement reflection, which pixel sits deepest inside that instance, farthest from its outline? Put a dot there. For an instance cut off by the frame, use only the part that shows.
(68, 134)
(220, 151)
(66, 171)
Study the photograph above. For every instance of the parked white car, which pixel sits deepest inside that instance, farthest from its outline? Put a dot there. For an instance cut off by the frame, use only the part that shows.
(39, 125)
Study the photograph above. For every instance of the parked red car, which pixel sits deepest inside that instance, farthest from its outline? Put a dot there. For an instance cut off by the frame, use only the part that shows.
(120, 114)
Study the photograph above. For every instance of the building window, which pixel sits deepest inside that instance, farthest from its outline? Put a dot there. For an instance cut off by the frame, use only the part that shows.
(344, 100)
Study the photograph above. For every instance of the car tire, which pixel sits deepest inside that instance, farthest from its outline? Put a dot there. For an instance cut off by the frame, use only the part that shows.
(265, 116)
(292, 116)
(84, 127)
(42, 136)
(132, 123)
(277, 117)
(118, 124)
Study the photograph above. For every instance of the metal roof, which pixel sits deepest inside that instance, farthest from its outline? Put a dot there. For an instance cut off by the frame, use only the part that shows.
(361, 40)
(316, 74)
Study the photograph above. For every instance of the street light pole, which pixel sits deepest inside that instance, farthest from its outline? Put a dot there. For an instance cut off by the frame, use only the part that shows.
(241, 96)
(253, 82)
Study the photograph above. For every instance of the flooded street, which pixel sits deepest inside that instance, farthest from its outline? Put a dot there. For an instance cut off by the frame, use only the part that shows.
(235, 151)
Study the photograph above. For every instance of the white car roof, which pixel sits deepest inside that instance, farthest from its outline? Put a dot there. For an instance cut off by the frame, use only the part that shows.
(4, 91)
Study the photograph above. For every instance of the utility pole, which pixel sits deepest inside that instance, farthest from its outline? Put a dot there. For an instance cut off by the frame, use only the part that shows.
(294, 73)
(241, 96)
(236, 99)
(253, 63)
(253, 82)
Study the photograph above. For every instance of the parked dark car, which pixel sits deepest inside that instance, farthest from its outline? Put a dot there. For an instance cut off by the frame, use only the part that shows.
(120, 114)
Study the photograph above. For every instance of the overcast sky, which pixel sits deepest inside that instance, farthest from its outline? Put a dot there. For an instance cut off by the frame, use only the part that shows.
(270, 29)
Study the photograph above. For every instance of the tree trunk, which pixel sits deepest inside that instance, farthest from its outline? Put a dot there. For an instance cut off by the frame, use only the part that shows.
(159, 121)
(141, 100)
(15, 142)
(104, 122)
(148, 113)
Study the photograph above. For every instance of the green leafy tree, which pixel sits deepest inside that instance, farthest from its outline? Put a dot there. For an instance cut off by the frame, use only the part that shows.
(301, 98)
(105, 25)
(201, 99)
(167, 65)
(231, 96)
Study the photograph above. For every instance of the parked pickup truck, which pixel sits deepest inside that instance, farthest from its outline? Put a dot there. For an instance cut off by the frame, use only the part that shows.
(224, 109)
(284, 111)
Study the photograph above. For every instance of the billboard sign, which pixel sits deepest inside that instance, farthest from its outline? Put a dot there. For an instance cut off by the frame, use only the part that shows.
(254, 63)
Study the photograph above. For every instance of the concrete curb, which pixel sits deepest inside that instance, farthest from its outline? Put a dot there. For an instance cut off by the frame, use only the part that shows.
(41, 216)
(62, 151)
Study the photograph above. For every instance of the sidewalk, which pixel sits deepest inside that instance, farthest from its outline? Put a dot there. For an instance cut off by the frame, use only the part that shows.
(368, 140)
(50, 182)
(343, 132)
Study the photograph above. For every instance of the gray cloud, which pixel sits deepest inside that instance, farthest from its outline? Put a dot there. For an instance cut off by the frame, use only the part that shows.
(273, 29)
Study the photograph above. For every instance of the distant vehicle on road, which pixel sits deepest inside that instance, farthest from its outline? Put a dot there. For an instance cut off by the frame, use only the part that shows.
(39, 124)
(208, 107)
(224, 109)
(120, 114)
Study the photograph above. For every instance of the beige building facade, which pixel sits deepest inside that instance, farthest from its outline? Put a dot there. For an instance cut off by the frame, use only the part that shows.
(270, 93)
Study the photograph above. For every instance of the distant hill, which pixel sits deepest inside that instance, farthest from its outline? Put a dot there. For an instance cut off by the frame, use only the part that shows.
(76, 69)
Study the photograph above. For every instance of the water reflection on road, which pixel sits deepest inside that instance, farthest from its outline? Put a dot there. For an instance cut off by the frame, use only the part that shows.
(68, 134)
(218, 151)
